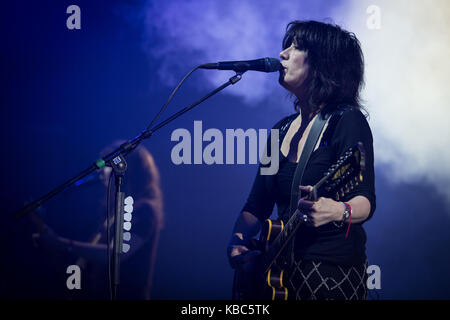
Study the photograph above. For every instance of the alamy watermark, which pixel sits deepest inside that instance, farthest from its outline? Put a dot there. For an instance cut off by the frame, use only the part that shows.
(234, 140)
(373, 277)
(74, 20)
(74, 280)
(373, 21)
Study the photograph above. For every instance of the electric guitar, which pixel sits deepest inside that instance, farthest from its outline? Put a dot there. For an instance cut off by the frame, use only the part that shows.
(266, 280)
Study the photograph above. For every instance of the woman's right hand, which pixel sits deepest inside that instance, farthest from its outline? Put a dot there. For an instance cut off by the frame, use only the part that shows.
(241, 258)
(240, 248)
(235, 254)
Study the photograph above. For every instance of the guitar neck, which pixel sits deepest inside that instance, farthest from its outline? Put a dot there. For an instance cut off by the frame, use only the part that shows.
(337, 181)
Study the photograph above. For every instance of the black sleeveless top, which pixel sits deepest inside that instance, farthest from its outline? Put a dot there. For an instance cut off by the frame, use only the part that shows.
(325, 243)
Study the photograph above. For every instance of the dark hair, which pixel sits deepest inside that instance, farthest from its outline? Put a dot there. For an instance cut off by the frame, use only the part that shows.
(336, 64)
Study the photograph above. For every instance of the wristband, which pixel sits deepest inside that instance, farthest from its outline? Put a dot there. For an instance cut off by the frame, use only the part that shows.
(349, 207)
(345, 216)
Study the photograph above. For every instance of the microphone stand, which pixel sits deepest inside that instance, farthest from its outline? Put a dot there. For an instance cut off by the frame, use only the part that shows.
(119, 166)
(116, 160)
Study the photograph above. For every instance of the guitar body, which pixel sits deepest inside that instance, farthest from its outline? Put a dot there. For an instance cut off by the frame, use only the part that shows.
(256, 283)
(275, 277)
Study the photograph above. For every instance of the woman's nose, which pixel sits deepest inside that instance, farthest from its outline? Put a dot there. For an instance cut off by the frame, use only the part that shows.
(284, 55)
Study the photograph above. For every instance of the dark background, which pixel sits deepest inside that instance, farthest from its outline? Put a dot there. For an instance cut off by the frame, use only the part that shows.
(66, 94)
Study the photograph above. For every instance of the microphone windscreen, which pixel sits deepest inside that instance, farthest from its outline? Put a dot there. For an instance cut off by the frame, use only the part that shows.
(272, 64)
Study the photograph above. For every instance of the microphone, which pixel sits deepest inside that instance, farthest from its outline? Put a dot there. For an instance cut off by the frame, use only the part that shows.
(264, 65)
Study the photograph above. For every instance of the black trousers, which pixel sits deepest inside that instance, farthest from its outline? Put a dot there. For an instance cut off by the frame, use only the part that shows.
(316, 280)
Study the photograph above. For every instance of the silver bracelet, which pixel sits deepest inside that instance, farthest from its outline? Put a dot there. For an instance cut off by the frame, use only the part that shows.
(344, 217)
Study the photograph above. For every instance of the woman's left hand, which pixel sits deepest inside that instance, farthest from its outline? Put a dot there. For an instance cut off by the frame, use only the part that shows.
(321, 211)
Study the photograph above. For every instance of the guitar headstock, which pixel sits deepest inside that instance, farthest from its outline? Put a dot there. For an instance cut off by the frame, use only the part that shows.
(344, 175)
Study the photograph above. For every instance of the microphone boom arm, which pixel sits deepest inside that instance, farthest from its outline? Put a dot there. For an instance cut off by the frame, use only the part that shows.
(123, 149)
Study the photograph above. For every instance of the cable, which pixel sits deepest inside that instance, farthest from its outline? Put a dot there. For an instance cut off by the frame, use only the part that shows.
(171, 96)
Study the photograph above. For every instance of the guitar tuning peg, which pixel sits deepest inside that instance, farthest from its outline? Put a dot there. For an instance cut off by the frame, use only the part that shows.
(342, 192)
(127, 236)
(360, 177)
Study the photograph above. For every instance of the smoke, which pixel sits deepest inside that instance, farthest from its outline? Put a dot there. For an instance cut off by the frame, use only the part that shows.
(407, 68)
(407, 77)
(182, 34)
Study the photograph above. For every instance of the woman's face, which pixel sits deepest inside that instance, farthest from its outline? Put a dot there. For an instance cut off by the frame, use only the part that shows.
(295, 69)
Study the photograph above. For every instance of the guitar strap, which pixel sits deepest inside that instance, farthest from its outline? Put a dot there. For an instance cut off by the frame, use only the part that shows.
(308, 148)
